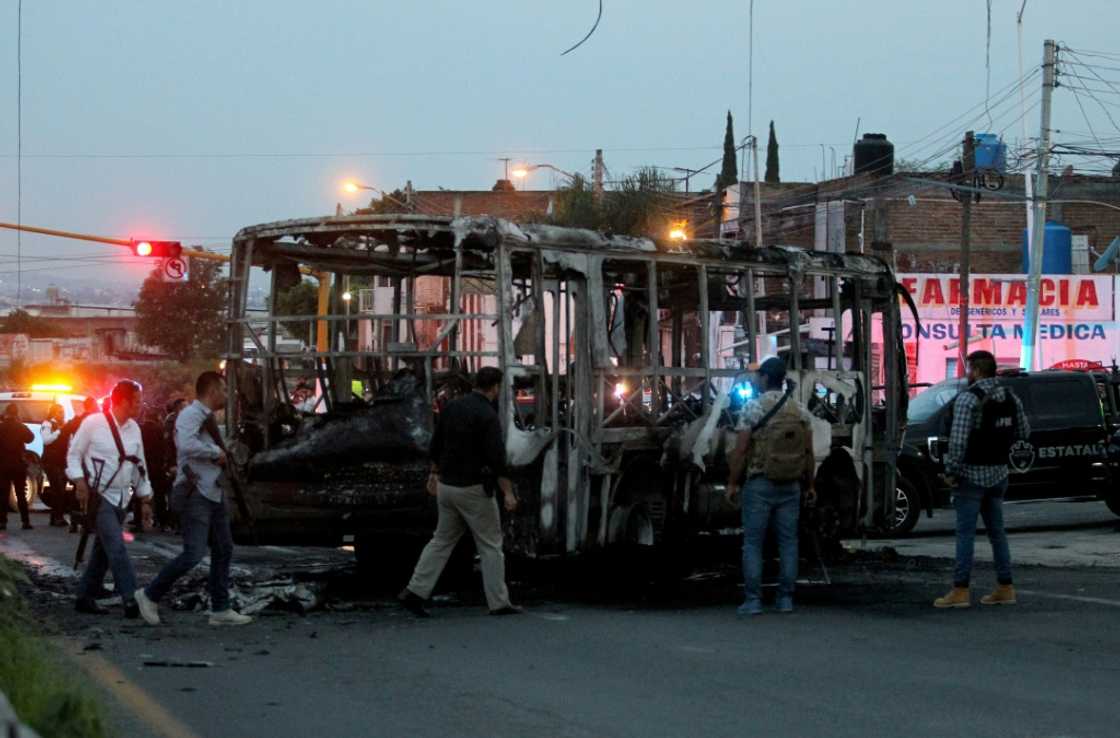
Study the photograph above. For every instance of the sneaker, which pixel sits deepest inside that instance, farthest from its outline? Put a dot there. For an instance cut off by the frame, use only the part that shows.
(1004, 594)
(750, 608)
(148, 609)
(414, 603)
(956, 597)
(229, 617)
(785, 604)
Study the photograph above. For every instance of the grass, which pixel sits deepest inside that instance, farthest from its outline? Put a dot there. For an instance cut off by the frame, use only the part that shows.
(45, 692)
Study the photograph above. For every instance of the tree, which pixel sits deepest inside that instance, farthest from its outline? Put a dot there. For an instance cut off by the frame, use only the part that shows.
(302, 299)
(575, 205)
(185, 319)
(772, 157)
(729, 173)
(21, 321)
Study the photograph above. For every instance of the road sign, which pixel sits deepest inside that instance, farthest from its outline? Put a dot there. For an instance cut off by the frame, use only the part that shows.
(173, 270)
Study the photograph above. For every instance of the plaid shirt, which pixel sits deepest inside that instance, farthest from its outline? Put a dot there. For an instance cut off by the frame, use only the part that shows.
(965, 420)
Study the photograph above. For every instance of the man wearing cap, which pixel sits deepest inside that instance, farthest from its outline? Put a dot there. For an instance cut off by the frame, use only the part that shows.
(771, 494)
(98, 465)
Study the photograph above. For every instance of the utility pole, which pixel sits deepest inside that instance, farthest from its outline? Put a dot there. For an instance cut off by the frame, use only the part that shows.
(757, 196)
(1028, 360)
(597, 176)
(969, 162)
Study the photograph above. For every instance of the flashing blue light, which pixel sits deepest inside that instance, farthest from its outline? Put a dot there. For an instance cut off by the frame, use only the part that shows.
(745, 391)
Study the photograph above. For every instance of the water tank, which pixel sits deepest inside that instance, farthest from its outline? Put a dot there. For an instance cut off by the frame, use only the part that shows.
(1057, 250)
(991, 153)
(873, 154)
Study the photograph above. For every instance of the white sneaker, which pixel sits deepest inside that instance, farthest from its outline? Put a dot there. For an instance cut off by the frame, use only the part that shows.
(229, 617)
(148, 609)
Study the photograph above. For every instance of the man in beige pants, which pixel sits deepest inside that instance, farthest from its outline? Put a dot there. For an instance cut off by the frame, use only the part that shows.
(467, 449)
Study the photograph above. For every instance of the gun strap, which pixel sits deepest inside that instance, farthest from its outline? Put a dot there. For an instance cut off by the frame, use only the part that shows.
(773, 411)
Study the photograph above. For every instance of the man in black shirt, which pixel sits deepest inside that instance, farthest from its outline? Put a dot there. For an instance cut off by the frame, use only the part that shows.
(14, 437)
(467, 453)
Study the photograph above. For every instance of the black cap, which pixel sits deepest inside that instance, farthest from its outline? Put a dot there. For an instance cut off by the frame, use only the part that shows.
(773, 369)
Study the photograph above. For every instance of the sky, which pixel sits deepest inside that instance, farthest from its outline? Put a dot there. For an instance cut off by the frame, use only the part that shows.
(192, 120)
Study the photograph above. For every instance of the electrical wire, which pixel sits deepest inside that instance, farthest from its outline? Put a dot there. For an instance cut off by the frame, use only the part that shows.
(582, 40)
(19, 151)
(988, 66)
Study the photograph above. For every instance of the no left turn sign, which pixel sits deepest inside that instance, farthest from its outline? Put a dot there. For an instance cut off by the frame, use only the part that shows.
(174, 270)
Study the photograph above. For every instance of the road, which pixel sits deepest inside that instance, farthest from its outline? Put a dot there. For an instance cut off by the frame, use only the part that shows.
(863, 656)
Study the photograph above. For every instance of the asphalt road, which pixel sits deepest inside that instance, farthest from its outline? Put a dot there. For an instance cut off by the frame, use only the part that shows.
(862, 656)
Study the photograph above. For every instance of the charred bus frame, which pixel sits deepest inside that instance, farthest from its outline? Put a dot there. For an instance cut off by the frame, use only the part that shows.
(616, 415)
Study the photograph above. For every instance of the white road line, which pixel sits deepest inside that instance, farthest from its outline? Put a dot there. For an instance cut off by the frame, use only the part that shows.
(1073, 598)
(44, 565)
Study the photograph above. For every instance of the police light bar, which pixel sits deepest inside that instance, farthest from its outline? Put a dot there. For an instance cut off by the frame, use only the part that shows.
(156, 249)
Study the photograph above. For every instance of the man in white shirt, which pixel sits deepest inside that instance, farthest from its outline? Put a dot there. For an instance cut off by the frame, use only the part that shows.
(199, 495)
(95, 465)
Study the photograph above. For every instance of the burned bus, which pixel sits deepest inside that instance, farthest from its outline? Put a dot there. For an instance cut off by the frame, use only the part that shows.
(626, 363)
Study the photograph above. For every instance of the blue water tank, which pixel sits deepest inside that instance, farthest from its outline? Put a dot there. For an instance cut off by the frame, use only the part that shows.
(1057, 251)
(991, 153)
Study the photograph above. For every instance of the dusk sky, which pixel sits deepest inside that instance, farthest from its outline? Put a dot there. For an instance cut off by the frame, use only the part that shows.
(192, 120)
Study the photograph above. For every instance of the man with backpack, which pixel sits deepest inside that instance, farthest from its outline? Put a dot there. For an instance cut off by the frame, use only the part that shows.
(774, 447)
(106, 464)
(987, 419)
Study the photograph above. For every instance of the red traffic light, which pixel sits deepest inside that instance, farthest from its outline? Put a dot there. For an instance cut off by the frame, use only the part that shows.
(157, 249)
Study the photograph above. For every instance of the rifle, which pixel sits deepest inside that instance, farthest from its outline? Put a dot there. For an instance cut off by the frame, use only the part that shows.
(89, 517)
(230, 475)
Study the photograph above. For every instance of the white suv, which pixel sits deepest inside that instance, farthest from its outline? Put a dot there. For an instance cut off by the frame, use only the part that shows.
(33, 407)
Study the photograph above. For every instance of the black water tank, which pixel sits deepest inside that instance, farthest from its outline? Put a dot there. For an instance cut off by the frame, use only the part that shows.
(874, 154)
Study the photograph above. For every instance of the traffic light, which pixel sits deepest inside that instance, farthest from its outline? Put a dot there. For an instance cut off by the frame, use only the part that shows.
(156, 249)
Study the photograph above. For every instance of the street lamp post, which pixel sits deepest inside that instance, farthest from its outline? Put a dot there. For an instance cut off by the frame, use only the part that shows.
(353, 188)
(524, 171)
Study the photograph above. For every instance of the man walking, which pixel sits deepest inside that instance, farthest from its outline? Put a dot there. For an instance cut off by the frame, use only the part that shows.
(987, 419)
(775, 446)
(467, 450)
(204, 515)
(106, 464)
(14, 437)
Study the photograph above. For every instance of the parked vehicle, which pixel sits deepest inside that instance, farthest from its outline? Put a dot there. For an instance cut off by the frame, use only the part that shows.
(1065, 456)
(33, 407)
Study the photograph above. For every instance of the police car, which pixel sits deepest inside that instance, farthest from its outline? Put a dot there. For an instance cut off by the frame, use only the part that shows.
(33, 406)
(1067, 454)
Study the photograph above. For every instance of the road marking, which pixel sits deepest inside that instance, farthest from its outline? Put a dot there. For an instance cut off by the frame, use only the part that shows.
(1073, 598)
(128, 693)
(555, 617)
(44, 565)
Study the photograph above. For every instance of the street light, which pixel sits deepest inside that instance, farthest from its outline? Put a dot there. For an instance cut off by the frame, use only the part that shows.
(353, 188)
(523, 172)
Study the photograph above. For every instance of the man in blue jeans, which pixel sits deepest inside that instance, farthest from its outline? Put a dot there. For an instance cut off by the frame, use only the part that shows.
(987, 419)
(771, 495)
(204, 515)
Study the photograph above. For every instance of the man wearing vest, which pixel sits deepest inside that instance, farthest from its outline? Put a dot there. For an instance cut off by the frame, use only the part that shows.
(987, 419)
(200, 498)
(106, 464)
(775, 447)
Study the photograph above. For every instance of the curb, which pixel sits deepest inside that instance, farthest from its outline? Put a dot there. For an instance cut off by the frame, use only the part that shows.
(10, 723)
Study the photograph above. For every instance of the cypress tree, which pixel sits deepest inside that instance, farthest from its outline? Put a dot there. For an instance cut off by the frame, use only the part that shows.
(772, 157)
(729, 173)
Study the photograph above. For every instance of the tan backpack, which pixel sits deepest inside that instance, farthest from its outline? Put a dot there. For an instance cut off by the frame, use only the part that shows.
(782, 437)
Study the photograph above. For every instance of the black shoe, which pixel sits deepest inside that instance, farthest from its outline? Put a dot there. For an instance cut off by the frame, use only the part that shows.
(28, 526)
(132, 610)
(507, 610)
(89, 606)
(58, 523)
(4, 525)
(73, 527)
(413, 603)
